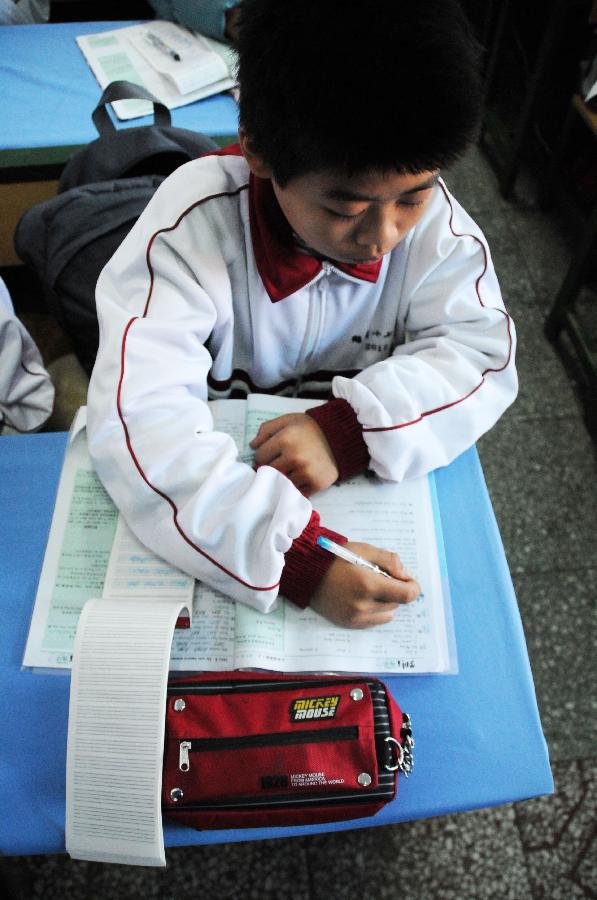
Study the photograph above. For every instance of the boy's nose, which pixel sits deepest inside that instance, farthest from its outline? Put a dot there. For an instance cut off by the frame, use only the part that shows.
(380, 233)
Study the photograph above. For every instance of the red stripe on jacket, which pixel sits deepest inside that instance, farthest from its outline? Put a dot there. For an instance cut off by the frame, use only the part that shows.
(431, 412)
(133, 455)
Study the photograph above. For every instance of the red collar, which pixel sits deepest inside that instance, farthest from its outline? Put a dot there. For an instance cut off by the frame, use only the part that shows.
(283, 267)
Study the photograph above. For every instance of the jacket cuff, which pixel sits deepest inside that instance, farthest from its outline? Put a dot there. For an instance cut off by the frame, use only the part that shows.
(338, 421)
(305, 563)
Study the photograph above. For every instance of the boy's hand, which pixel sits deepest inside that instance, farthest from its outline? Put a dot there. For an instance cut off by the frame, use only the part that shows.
(353, 597)
(296, 446)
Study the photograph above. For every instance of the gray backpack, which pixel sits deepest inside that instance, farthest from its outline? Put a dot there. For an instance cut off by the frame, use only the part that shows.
(103, 189)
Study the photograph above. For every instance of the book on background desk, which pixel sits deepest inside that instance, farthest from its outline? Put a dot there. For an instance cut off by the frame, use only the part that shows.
(92, 553)
(177, 65)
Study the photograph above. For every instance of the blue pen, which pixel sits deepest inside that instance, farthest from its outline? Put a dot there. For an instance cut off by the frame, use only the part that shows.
(349, 556)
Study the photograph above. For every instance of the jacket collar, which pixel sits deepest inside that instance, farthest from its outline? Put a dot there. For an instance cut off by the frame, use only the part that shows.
(283, 266)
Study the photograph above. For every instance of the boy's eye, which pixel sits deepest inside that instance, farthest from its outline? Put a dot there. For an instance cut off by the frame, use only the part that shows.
(418, 198)
(410, 203)
(346, 216)
(339, 215)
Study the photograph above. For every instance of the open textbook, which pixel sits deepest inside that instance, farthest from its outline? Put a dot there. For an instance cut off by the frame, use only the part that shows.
(177, 65)
(92, 553)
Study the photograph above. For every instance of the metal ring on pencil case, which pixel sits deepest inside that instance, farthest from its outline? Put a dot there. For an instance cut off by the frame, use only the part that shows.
(399, 754)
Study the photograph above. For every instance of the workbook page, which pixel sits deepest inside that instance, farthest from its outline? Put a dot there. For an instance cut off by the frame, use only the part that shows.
(208, 645)
(90, 553)
(229, 416)
(134, 571)
(116, 55)
(396, 517)
(76, 558)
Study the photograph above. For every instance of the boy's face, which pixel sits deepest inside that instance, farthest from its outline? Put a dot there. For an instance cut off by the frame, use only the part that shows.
(354, 219)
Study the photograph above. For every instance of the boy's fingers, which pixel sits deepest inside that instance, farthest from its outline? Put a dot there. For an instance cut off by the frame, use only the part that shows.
(396, 591)
(268, 452)
(387, 560)
(268, 430)
(391, 563)
(381, 616)
(271, 450)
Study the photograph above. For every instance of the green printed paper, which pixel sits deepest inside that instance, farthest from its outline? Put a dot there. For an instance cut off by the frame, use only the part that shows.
(83, 560)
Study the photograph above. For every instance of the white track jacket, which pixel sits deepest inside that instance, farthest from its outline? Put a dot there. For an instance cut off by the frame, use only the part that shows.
(208, 296)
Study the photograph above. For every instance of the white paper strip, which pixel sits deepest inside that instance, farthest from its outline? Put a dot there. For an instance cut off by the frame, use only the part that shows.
(116, 731)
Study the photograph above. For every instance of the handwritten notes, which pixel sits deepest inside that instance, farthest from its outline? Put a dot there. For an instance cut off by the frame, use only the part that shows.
(209, 643)
(134, 571)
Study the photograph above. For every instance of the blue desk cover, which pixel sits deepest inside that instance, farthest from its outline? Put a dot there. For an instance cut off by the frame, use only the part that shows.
(478, 736)
(48, 91)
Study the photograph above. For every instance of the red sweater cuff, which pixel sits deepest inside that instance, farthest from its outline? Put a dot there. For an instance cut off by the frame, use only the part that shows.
(305, 563)
(338, 421)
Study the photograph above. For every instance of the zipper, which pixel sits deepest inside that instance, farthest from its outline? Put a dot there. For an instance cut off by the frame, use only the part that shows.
(314, 324)
(274, 739)
(317, 319)
(253, 687)
(383, 793)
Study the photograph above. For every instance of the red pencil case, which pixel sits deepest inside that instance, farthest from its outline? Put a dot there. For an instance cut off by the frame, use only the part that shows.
(245, 749)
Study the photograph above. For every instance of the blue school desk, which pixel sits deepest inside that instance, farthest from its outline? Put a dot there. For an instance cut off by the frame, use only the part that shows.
(478, 735)
(49, 92)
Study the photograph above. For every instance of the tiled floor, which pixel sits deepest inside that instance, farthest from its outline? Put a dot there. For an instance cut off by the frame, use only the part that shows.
(541, 470)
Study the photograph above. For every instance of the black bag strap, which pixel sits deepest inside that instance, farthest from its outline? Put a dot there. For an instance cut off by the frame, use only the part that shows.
(126, 90)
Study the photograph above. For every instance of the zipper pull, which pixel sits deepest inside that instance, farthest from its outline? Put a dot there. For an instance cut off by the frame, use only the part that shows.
(183, 757)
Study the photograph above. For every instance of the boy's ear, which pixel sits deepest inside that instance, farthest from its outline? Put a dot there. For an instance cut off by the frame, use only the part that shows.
(256, 164)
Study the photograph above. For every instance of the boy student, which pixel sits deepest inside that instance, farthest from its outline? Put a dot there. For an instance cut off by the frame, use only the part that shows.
(325, 257)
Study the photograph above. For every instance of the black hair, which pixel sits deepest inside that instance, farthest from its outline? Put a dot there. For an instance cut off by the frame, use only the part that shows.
(341, 85)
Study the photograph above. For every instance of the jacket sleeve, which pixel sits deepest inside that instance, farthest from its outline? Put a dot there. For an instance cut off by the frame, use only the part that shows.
(453, 374)
(26, 391)
(175, 479)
